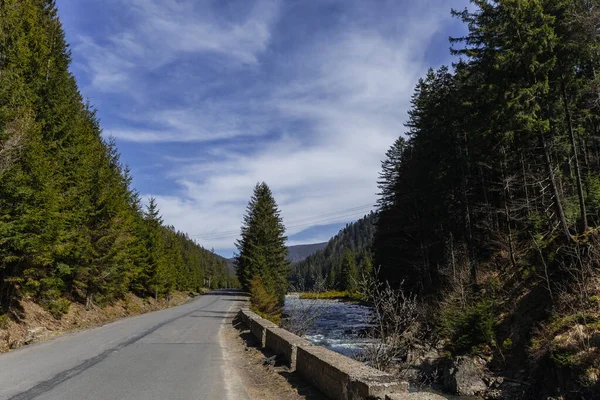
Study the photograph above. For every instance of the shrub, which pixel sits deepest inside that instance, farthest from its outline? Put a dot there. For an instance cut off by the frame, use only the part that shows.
(507, 344)
(563, 358)
(58, 307)
(263, 302)
(4, 321)
(469, 327)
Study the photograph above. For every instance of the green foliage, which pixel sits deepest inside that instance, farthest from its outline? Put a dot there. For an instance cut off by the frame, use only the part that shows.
(3, 321)
(348, 273)
(517, 110)
(323, 269)
(58, 307)
(563, 359)
(264, 303)
(71, 226)
(469, 327)
(262, 250)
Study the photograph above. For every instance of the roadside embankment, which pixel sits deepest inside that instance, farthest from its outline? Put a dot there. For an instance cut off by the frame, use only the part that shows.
(32, 323)
(337, 376)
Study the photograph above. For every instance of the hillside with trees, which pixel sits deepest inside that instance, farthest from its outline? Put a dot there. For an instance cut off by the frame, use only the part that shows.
(490, 204)
(72, 227)
(345, 257)
(300, 252)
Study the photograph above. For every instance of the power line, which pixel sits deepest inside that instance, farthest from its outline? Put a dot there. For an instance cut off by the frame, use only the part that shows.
(319, 219)
(332, 213)
(318, 216)
(325, 221)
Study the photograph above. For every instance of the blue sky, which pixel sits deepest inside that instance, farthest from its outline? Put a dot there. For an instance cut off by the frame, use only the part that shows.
(206, 98)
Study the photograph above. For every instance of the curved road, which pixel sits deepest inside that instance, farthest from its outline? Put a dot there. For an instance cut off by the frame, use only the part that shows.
(169, 354)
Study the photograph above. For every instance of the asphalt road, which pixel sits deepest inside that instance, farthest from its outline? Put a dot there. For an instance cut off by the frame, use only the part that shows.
(169, 354)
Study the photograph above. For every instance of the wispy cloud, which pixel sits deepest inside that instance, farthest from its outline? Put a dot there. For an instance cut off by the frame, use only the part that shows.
(351, 95)
(161, 31)
(312, 114)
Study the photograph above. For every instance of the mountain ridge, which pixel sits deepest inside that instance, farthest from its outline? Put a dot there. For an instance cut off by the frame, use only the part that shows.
(300, 252)
(296, 253)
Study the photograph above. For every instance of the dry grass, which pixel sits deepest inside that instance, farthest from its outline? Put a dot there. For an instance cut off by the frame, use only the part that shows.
(260, 381)
(33, 315)
(332, 295)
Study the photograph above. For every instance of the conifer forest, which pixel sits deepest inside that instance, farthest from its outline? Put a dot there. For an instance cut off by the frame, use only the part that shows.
(487, 213)
(72, 227)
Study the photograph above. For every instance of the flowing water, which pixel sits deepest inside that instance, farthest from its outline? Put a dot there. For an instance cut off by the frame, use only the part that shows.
(339, 326)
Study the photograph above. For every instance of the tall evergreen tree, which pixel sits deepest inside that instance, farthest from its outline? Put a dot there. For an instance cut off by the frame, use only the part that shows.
(348, 272)
(262, 247)
(71, 226)
(497, 176)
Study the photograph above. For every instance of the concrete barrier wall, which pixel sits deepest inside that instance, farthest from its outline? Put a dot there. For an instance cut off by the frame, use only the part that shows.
(285, 344)
(258, 326)
(337, 376)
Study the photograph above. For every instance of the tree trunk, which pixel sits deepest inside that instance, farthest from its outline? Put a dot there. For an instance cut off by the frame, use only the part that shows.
(88, 300)
(525, 185)
(467, 212)
(582, 212)
(557, 203)
(506, 191)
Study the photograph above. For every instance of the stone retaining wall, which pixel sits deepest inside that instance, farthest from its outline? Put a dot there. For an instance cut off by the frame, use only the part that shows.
(337, 376)
(285, 344)
(258, 326)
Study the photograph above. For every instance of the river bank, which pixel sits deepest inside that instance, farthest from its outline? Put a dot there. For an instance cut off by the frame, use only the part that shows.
(341, 326)
(330, 295)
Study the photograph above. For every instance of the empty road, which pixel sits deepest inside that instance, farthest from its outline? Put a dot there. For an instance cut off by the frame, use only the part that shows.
(168, 354)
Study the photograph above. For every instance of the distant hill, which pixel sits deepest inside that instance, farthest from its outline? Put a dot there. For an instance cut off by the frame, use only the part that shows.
(324, 264)
(230, 264)
(295, 254)
(301, 251)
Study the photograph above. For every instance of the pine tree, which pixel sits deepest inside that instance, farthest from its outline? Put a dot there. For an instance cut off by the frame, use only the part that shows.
(72, 228)
(324, 266)
(348, 273)
(262, 247)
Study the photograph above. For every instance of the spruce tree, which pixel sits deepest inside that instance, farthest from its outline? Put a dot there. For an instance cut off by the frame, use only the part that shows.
(348, 274)
(262, 249)
(72, 228)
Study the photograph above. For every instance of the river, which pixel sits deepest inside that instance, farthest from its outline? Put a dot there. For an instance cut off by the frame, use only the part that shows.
(337, 326)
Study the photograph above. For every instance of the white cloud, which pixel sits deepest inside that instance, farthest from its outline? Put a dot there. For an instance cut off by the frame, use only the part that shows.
(163, 30)
(107, 69)
(174, 26)
(338, 104)
(354, 106)
(206, 121)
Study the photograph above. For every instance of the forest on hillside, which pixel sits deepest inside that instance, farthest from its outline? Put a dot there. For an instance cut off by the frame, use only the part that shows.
(72, 227)
(340, 264)
(490, 203)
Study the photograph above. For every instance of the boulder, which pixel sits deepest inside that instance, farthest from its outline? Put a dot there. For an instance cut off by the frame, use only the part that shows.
(464, 376)
(34, 334)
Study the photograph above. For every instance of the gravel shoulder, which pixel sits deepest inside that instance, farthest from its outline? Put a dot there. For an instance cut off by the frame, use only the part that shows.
(261, 382)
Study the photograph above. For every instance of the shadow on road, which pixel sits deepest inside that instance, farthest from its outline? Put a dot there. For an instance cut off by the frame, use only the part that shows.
(227, 292)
